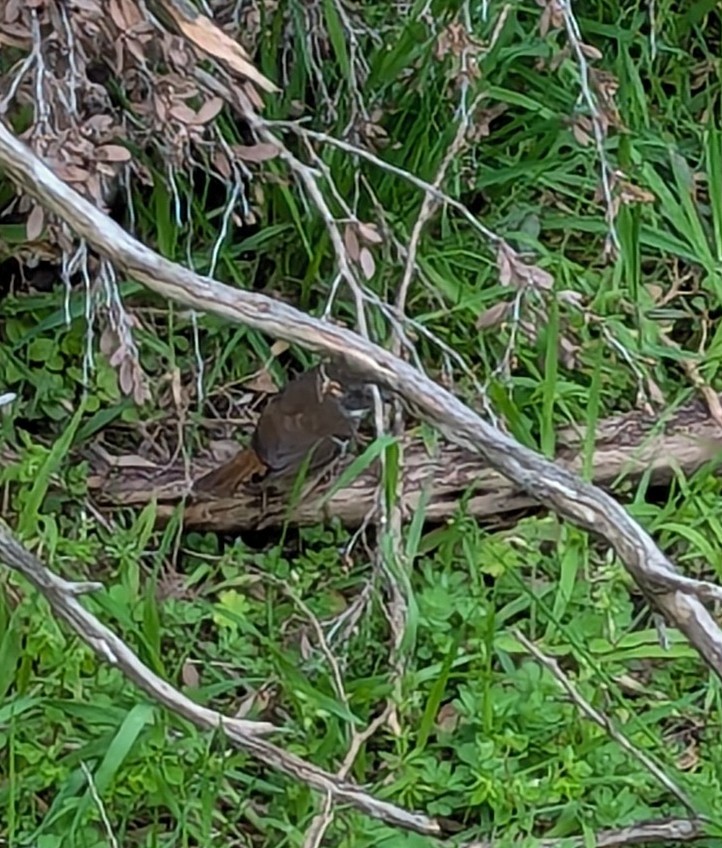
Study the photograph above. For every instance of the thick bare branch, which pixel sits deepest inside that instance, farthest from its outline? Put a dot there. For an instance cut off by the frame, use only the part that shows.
(248, 735)
(557, 488)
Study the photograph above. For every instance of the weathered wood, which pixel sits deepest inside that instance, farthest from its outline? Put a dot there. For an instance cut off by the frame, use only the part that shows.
(626, 447)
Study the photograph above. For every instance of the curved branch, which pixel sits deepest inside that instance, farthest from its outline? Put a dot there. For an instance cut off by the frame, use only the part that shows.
(248, 735)
(551, 485)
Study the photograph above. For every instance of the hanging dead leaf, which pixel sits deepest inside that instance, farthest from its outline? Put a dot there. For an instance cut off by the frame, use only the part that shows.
(182, 113)
(494, 316)
(552, 16)
(112, 153)
(108, 341)
(630, 193)
(305, 646)
(654, 390)
(590, 52)
(350, 239)
(256, 152)
(209, 110)
(35, 222)
(141, 390)
(569, 353)
(368, 265)
(176, 388)
(209, 38)
(125, 374)
(221, 164)
(582, 130)
(369, 233)
(513, 271)
(261, 382)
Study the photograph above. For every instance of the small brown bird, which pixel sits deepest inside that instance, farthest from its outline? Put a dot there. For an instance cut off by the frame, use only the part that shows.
(315, 416)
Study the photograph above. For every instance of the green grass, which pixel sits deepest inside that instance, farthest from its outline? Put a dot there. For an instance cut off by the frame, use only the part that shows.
(484, 735)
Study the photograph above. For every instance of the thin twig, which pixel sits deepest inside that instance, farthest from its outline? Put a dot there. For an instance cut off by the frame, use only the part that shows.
(605, 722)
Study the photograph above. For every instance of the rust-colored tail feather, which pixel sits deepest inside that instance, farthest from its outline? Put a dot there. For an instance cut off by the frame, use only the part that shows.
(223, 481)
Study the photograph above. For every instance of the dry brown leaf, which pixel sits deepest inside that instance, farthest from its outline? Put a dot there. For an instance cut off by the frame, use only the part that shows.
(176, 388)
(125, 372)
(569, 353)
(19, 39)
(493, 316)
(655, 291)
(190, 675)
(552, 16)
(689, 758)
(369, 233)
(261, 382)
(447, 718)
(115, 9)
(221, 164)
(136, 50)
(70, 173)
(182, 113)
(34, 226)
(305, 646)
(205, 35)
(141, 391)
(513, 271)
(12, 11)
(113, 153)
(582, 130)
(108, 341)
(279, 347)
(483, 120)
(131, 13)
(351, 241)
(98, 124)
(654, 390)
(590, 52)
(368, 265)
(222, 449)
(454, 39)
(256, 702)
(255, 98)
(256, 152)
(630, 193)
(209, 110)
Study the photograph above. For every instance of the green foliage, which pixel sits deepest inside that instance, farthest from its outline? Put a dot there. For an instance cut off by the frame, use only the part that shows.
(485, 736)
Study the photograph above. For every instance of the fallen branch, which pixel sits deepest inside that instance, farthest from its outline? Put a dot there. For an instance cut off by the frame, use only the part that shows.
(62, 597)
(551, 485)
(626, 447)
(665, 831)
